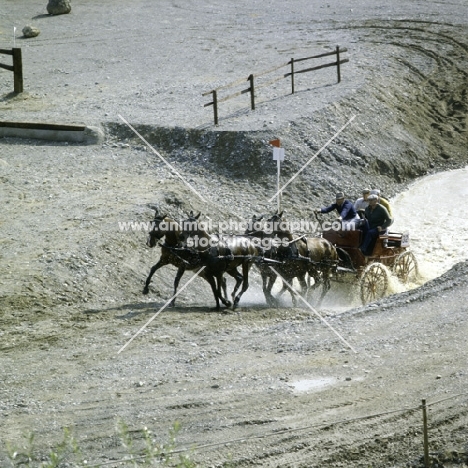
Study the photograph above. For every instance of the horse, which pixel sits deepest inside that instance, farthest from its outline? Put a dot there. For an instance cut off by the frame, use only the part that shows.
(298, 257)
(243, 251)
(277, 255)
(174, 253)
(255, 230)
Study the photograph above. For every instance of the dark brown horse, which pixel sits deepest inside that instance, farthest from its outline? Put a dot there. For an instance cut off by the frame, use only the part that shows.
(256, 230)
(174, 253)
(298, 257)
(244, 252)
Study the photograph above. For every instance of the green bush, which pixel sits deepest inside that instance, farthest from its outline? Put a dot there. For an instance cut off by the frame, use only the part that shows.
(67, 452)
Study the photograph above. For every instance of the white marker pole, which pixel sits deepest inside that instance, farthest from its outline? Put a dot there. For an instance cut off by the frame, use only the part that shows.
(14, 37)
(278, 155)
(278, 185)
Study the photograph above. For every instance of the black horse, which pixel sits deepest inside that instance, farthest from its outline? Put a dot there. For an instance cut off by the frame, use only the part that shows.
(244, 252)
(297, 257)
(173, 252)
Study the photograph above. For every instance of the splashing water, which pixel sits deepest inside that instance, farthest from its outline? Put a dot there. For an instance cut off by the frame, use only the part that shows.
(432, 211)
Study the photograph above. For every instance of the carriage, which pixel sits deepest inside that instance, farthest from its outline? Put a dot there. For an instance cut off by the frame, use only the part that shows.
(391, 254)
(333, 255)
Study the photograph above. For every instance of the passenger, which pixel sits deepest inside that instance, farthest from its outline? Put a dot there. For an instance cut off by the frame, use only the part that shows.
(377, 222)
(348, 216)
(361, 203)
(385, 203)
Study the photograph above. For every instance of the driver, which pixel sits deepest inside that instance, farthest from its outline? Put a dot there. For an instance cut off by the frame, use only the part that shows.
(377, 222)
(346, 210)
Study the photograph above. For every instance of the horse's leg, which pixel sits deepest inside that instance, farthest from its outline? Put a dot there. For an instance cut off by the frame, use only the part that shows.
(315, 275)
(179, 274)
(326, 285)
(245, 282)
(288, 278)
(212, 282)
(224, 287)
(304, 285)
(223, 290)
(284, 288)
(239, 279)
(153, 270)
(221, 282)
(264, 275)
(271, 281)
(291, 291)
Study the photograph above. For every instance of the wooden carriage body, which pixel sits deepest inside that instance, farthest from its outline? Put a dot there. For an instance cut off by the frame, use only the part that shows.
(390, 250)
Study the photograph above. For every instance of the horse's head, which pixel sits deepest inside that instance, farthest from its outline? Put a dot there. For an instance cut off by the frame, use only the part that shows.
(255, 227)
(276, 218)
(162, 226)
(191, 227)
(277, 226)
(156, 233)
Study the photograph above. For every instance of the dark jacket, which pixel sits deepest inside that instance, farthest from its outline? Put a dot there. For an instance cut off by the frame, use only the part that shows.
(378, 217)
(346, 210)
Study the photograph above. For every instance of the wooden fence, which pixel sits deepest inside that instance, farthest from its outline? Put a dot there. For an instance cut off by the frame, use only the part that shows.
(16, 68)
(251, 89)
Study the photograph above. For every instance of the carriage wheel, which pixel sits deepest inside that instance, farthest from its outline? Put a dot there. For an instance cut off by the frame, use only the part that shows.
(373, 283)
(406, 267)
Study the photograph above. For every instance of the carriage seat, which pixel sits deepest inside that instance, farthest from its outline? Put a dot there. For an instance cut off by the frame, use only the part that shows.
(396, 239)
(344, 238)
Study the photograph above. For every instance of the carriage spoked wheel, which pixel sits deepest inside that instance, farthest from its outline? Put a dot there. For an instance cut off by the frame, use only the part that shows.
(373, 283)
(406, 267)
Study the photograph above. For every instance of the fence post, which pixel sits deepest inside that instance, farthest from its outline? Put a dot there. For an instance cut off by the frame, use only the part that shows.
(215, 106)
(338, 63)
(17, 70)
(426, 438)
(292, 75)
(252, 92)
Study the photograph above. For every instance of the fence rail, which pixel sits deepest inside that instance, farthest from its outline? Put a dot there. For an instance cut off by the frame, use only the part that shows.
(251, 79)
(16, 68)
(423, 446)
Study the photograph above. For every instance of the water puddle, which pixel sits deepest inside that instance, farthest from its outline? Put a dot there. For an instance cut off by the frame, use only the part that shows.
(308, 385)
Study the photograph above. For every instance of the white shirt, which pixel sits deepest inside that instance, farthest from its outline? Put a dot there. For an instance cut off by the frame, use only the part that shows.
(360, 204)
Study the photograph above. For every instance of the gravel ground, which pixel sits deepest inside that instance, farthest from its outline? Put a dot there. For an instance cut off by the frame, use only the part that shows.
(71, 280)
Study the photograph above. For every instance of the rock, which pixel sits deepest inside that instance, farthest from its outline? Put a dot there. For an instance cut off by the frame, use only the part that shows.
(31, 31)
(58, 7)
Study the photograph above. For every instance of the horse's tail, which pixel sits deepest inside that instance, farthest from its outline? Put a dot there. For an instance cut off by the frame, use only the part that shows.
(344, 258)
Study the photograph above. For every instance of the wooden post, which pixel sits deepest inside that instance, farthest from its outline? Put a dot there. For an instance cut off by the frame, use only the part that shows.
(426, 438)
(17, 70)
(252, 92)
(338, 63)
(292, 78)
(215, 106)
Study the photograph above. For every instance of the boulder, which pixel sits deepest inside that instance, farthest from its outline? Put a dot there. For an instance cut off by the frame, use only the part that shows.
(31, 31)
(58, 7)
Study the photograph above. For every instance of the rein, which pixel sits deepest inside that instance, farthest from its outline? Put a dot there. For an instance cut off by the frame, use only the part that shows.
(303, 237)
(174, 252)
